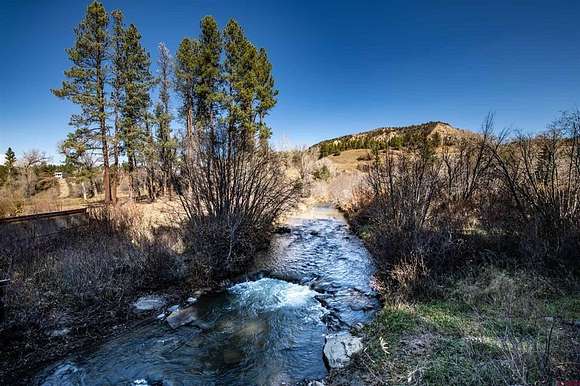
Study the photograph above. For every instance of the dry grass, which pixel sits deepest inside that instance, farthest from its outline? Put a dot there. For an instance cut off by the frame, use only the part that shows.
(490, 327)
(350, 160)
(116, 255)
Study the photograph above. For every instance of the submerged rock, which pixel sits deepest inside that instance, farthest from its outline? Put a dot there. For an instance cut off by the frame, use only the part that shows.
(149, 302)
(339, 348)
(182, 317)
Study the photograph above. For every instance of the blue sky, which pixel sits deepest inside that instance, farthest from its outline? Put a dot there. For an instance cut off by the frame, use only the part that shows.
(340, 66)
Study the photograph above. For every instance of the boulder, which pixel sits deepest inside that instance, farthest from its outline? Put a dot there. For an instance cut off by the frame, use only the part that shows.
(339, 348)
(181, 317)
(149, 302)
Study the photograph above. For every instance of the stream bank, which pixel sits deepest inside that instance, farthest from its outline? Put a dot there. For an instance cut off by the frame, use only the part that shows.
(269, 329)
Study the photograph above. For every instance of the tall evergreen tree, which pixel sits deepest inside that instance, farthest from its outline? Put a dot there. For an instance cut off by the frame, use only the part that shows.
(241, 83)
(185, 81)
(10, 163)
(117, 97)
(166, 145)
(9, 160)
(207, 86)
(250, 84)
(85, 84)
(265, 94)
(137, 82)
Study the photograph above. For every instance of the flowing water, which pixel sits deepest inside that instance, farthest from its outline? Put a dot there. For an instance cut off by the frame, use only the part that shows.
(267, 331)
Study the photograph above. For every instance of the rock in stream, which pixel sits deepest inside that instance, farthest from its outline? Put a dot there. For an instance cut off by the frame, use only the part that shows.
(339, 348)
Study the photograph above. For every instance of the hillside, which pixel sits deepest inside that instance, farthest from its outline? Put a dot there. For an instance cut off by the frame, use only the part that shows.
(395, 137)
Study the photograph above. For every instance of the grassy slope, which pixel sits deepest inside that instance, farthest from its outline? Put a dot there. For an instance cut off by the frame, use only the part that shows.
(486, 328)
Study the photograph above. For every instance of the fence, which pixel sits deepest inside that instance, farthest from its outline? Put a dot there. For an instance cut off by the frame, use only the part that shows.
(14, 230)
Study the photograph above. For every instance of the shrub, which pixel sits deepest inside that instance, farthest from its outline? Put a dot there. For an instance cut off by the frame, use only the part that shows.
(11, 203)
(426, 213)
(231, 197)
(322, 173)
(541, 191)
(113, 257)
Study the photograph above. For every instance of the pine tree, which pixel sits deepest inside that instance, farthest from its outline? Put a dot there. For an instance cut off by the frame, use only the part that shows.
(250, 86)
(185, 81)
(266, 95)
(85, 84)
(166, 145)
(207, 86)
(117, 98)
(9, 163)
(9, 160)
(240, 75)
(137, 82)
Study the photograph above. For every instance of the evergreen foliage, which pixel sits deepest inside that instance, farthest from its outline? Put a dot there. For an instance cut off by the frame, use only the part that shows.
(117, 96)
(85, 84)
(415, 136)
(186, 75)
(137, 83)
(10, 161)
(165, 142)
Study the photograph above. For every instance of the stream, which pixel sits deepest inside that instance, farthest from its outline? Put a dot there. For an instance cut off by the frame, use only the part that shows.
(266, 331)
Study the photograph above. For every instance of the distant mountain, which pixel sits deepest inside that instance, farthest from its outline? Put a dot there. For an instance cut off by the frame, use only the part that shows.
(395, 137)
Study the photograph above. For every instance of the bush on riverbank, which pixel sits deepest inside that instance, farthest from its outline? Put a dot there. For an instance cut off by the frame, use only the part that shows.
(81, 281)
(231, 199)
(485, 219)
(424, 213)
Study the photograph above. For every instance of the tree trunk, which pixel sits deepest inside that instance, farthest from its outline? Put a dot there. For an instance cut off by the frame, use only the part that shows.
(84, 190)
(132, 185)
(189, 134)
(94, 188)
(115, 179)
(103, 124)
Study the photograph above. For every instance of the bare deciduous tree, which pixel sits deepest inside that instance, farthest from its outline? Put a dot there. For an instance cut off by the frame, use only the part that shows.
(28, 162)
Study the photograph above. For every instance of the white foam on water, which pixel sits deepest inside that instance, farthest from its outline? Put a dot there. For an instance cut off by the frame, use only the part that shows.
(269, 293)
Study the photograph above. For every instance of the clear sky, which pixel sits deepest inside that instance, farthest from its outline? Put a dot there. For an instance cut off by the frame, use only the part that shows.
(340, 66)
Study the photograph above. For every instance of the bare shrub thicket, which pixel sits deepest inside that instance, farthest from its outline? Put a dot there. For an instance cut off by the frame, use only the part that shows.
(425, 212)
(104, 264)
(231, 197)
(540, 195)
(303, 160)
